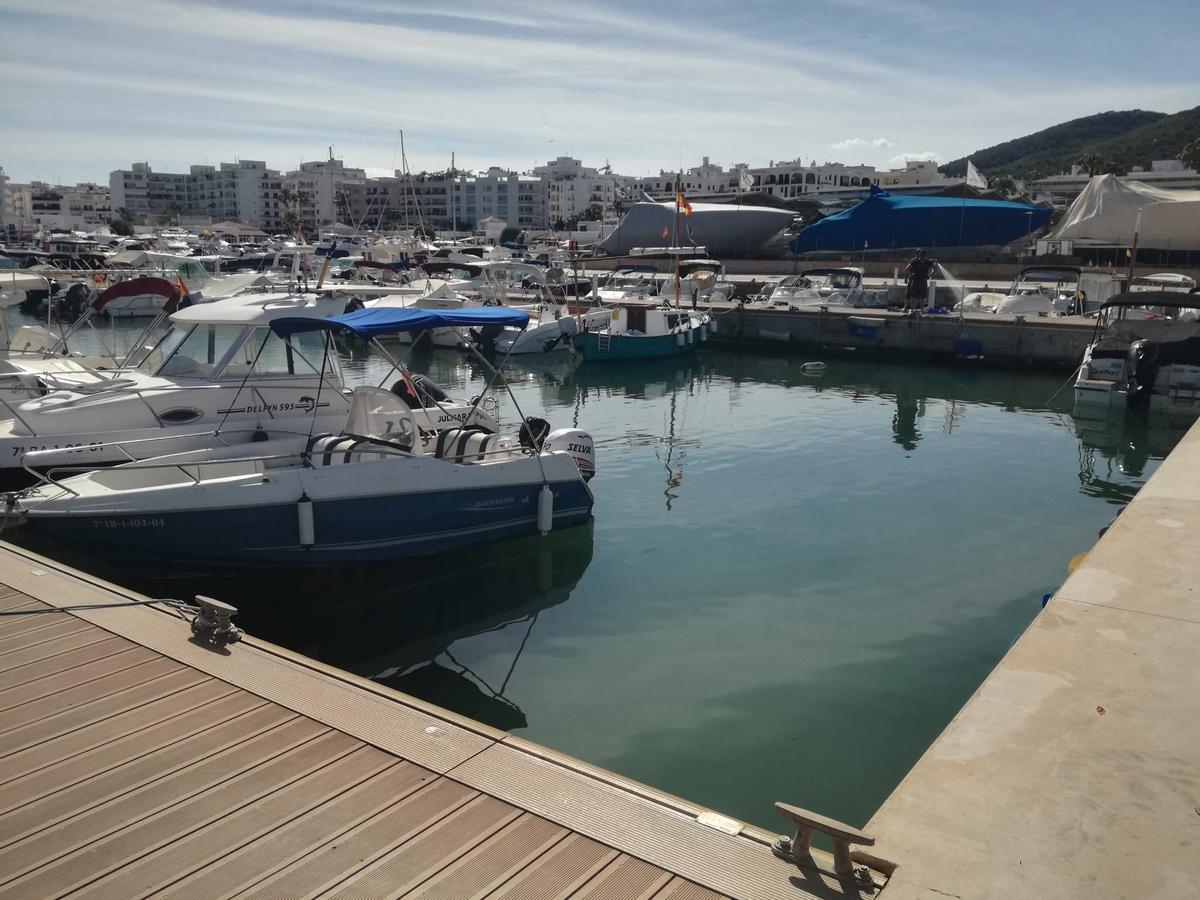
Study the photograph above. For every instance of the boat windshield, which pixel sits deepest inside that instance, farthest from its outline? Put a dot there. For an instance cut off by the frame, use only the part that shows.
(201, 351)
(300, 354)
(149, 357)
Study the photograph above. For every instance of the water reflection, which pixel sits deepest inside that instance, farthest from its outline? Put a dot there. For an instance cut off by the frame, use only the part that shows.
(1115, 448)
(399, 624)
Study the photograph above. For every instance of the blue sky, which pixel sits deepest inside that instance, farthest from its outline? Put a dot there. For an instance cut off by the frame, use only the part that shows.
(89, 87)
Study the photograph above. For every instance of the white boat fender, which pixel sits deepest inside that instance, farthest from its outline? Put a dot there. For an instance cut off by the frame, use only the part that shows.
(545, 509)
(304, 519)
(712, 326)
(679, 339)
(813, 367)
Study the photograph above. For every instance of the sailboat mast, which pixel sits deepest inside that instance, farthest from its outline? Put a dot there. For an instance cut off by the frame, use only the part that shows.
(678, 193)
(453, 205)
(404, 169)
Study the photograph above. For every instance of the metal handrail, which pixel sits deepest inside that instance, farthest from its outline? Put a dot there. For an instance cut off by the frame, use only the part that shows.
(50, 476)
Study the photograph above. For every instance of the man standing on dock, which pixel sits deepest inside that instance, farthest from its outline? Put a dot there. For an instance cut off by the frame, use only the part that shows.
(917, 271)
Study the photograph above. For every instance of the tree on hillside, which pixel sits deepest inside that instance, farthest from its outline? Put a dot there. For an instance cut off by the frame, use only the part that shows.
(1092, 163)
(1190, 154)
(1003, 185)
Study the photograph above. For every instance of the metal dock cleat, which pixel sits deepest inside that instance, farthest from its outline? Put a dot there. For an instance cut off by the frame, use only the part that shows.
(798, 849)
(213, 624)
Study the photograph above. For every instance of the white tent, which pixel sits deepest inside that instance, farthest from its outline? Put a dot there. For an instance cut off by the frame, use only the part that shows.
(1106, 212)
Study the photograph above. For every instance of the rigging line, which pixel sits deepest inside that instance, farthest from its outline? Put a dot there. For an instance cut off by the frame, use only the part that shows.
(467, 670)
(320, 384)
(520, 650)
(241, 387)
(83, 607)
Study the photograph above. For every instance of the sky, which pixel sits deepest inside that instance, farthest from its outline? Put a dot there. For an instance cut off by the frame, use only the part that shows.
(90, 87)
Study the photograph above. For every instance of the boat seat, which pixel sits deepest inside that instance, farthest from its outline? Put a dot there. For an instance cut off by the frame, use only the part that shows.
(464, 444)
(332, 449)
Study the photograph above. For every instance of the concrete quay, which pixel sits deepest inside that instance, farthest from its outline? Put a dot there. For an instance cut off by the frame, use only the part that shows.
(1020, 341)
(1074, 770)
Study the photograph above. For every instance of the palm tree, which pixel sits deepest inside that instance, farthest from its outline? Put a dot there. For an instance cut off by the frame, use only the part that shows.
(1092, 163)
(1190, 154)
(1003, 185)
(173, 211)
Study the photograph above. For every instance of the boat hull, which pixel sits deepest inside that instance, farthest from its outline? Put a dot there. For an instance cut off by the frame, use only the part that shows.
(359, 529)
(618, 347)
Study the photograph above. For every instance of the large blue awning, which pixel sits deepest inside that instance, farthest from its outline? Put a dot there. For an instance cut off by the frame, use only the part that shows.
(886, 220)
(368, 323)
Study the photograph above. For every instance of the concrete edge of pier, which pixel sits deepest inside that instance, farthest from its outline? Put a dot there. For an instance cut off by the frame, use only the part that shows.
(1074, 769)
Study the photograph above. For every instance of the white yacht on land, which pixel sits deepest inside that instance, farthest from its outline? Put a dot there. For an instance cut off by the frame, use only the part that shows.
(726, 229)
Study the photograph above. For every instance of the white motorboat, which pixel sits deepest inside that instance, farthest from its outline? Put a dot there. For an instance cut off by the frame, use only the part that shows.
(827, 287)
(220, 367)
(1145, 355)
(367, 489)
(1056, 291)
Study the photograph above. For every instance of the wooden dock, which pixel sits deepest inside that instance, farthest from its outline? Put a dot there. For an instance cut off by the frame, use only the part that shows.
(136, 761)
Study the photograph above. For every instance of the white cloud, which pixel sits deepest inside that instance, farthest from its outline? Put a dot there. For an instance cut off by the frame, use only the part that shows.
(898, 161)
(857, 143)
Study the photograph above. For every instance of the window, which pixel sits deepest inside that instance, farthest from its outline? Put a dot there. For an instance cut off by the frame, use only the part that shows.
(301, 355)
(200, 352)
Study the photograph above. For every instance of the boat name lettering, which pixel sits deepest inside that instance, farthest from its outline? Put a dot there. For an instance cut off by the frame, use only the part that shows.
(21, 450)
(140, 522)
(500, 501)
(304, 404)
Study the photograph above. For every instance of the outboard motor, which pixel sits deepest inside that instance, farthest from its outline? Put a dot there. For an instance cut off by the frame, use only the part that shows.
(427, 392)
(485, 339)
(1142, 365)
(533, 433)
(578, 444)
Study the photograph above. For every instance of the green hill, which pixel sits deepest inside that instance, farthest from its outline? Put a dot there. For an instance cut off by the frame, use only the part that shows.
(1130, 137)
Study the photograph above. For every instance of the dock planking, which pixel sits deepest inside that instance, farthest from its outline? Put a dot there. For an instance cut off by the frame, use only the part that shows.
(136, 762)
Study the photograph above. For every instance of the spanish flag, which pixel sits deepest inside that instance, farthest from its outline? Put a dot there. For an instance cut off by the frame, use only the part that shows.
(681, 202)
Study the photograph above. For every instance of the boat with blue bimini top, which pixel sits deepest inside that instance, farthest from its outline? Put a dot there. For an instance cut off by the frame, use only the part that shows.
(372, 490)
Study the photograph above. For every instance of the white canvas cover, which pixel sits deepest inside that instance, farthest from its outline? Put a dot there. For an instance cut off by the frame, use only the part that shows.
(1106, 212)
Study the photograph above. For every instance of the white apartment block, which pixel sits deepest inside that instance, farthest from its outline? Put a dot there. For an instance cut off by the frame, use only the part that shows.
(29, 207)
(245, 191)
(575, 191)
(322, 193)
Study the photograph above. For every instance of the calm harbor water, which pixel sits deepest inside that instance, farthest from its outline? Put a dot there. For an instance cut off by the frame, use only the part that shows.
(791, 585)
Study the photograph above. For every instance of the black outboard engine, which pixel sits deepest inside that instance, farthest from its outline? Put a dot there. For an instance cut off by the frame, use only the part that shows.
(427, 392)
(1142, 366)
(533, 433)
(485, 340)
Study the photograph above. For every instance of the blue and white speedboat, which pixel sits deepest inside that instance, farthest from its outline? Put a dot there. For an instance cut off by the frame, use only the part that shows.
(377, 489)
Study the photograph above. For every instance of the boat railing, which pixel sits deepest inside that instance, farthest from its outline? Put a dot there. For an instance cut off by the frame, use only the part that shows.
(116, 389)
(191, 467)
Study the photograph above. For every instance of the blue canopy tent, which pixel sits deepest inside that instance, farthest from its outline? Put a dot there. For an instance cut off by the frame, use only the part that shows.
(885, 220)
(369, 323)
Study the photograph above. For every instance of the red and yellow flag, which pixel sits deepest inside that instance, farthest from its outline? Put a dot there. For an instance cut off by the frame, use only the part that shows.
(681, 202)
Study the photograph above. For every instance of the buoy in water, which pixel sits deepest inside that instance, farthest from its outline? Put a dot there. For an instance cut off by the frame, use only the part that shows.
(545, 509)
